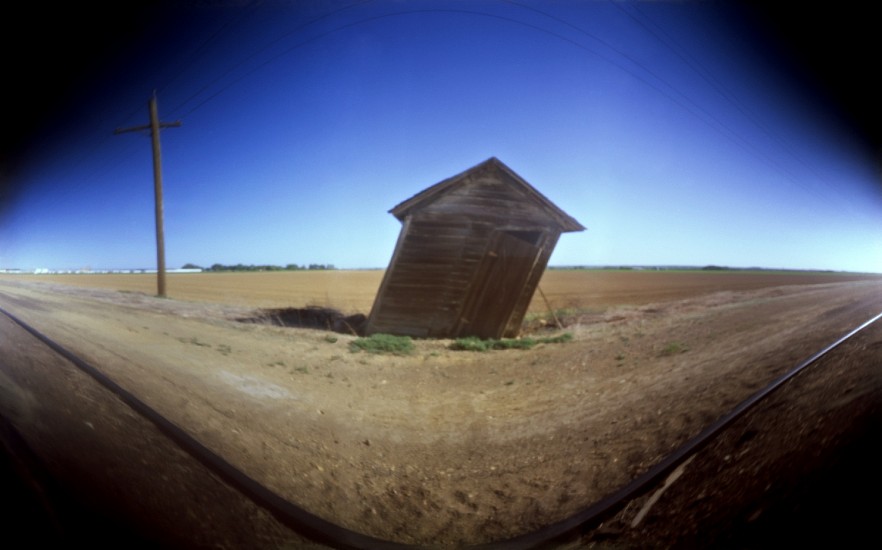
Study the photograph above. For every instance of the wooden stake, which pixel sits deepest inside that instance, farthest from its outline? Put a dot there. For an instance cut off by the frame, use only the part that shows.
(548, 305)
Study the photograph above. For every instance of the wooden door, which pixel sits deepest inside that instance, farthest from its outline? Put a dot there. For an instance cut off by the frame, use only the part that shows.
(497, 286)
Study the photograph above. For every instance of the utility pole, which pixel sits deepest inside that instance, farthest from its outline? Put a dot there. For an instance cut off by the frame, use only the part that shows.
(154, 128)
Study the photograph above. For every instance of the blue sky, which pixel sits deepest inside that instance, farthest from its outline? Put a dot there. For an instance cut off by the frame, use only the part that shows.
(672, 131)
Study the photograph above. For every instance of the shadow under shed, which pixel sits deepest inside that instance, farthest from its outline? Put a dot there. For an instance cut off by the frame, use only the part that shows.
(314, 317)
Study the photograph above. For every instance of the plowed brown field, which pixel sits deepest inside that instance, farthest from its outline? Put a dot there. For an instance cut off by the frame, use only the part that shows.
(354, 291)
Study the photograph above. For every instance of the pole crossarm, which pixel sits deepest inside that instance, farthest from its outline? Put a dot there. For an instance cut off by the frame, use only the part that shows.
(148, 127)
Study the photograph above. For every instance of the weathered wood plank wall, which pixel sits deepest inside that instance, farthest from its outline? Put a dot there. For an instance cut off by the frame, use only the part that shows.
(446, 251)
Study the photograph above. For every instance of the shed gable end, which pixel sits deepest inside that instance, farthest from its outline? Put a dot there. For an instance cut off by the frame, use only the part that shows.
(492, 189)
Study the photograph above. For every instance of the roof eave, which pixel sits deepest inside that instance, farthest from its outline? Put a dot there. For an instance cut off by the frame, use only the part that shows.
(565, 222)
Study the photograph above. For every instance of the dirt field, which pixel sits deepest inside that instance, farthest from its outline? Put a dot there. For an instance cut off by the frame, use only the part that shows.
(354, 291)
(444, 447)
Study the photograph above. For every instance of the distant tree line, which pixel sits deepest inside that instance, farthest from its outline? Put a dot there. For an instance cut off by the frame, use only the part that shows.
(251, 267)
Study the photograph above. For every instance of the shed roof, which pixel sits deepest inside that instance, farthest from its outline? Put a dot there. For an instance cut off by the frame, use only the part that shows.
(449, 185)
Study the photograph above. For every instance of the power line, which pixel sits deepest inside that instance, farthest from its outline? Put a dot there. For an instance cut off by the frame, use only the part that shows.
(375, 18)
(203, 48)
(681, 99)
(253, 55)
(705, 116)
(707, 75)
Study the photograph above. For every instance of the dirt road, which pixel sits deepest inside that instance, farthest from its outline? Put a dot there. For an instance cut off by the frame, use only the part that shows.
(438, 447)
(101, 475)
(794, 472)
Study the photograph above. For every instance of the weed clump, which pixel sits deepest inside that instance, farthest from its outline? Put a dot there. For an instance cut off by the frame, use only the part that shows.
(473, 343)
(674, 348)
(383, 343)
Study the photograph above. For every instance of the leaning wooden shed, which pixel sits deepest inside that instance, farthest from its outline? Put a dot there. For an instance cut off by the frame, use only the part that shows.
(469, 257)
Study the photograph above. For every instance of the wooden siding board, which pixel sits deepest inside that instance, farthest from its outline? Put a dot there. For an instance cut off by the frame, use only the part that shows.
(495, 214)
(422, 283)
(420, 280)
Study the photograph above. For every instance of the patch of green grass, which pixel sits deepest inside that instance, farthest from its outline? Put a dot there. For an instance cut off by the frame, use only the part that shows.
(473, 343)
(674, 348)
(559, 339)
(331, 339)
(383, 343)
